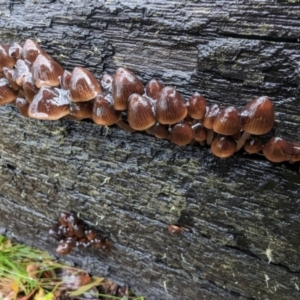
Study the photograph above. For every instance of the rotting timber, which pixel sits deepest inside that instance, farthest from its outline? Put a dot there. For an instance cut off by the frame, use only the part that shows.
(243, 211)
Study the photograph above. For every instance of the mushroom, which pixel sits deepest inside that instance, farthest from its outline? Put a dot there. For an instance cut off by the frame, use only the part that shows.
(140, 113)
(153, 88)
(181, 134)
(200, 134)
(124, 84)
(104, 112)
(83, 85)
(158, 130)
(46, 72)
(258, 118)
(223, 146)
(49, 104)
(253, 145)
(277, 150)
(208, 121)
(196, 106)
(65, 80)
(7, 94)
(170, 106)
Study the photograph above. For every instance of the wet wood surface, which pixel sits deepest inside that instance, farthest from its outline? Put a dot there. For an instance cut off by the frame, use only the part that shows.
(243, 212)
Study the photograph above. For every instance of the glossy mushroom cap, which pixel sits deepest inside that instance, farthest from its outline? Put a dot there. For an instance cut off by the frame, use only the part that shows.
(140, 113)
(258, 116)
(49, 104)
(200, 134)
(124, 84)
(6, 60)
(104, 112)
(223, 146)
(83, 85)
(197, 106)
(227, 122)
(170, 106)
(31, 50)
(7, 94)
(181, 134)
(46, 72)
(153, 88)
(277, 150)
(253, 145)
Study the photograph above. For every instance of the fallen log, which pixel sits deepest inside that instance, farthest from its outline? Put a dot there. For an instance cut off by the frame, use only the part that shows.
(241, 212)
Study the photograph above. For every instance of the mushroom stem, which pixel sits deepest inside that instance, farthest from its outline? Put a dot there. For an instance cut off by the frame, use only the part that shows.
(240, 143)
(125, 126)
(210, 136)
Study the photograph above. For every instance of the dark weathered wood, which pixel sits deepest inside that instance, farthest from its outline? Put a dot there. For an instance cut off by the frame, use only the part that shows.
(243, 211)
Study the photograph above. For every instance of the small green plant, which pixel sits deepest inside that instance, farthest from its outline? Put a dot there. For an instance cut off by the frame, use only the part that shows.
(30, 274)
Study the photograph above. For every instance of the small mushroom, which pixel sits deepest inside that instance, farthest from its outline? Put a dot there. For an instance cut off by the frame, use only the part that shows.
(278, 150)
(124, 84)
(140, 113)
(46, 72)
(7, 94)
(208, 121)
(181, 134)
(197, 106)
(49, 104)
(223, 146)
(83, 85)
(258, 118)
(170, 106)
(153, 88)
(253, 145)
(104, 112)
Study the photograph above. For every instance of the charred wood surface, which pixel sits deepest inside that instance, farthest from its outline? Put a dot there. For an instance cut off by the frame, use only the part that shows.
(243, 212)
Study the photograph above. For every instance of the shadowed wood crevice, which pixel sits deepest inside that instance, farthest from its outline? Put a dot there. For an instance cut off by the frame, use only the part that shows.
(242, 212)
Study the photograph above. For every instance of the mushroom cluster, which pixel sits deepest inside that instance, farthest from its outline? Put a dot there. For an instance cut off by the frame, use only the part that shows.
(42, 89)
(72, 232)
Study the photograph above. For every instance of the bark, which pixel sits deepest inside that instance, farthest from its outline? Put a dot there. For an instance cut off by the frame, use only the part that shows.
(243, 212)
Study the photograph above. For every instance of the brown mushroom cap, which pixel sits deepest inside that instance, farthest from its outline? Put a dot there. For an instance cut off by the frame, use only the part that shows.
(6, 60)
(140, 113)
(153, 88)
(46, 72)
(104, 112)
(200, 134)
(210, 116)
(197, 106)
(253, 145)
(9, 74)
(31, 50)
(29, 88)
(258, 116)
(124, 84)
(49, 104)
(182, 134)
(223, 146)
(227, 122)
(7, 94)
(278, 150)
(170, 106)
(83, 85)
